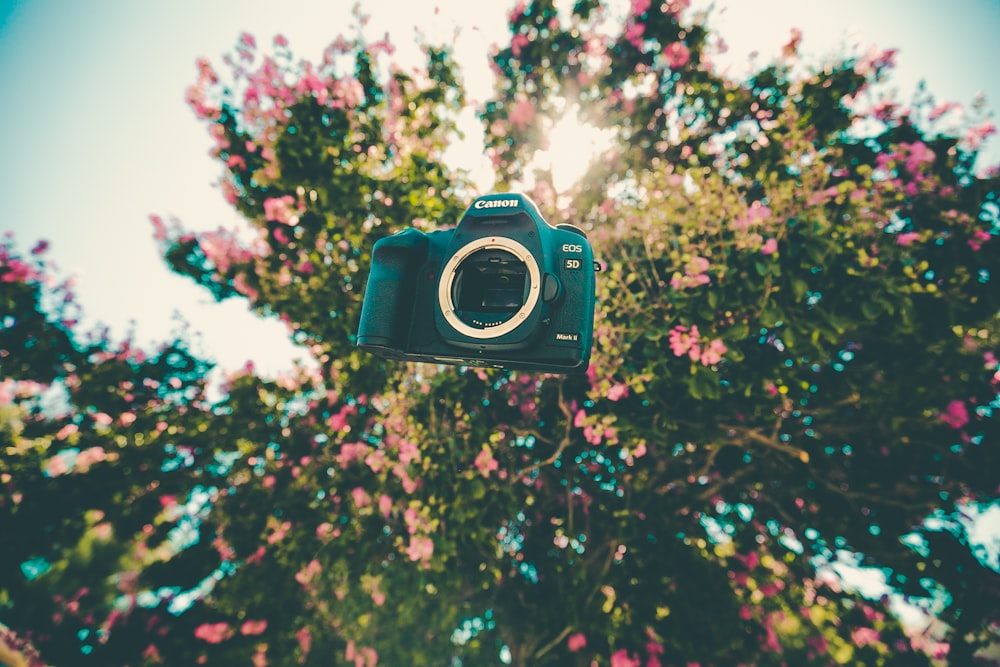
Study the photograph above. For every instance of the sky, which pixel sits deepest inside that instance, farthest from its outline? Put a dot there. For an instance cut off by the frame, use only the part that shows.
(95, 135)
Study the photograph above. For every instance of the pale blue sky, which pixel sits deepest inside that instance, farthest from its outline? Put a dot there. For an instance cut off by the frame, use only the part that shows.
(95, 135)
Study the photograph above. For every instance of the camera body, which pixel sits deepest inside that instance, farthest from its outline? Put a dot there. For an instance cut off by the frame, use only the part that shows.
(502, 289)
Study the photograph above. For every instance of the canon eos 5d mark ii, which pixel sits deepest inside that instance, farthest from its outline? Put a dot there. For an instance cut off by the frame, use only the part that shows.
(502, 289)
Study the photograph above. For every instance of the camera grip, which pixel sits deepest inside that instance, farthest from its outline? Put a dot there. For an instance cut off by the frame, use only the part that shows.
(389, 294)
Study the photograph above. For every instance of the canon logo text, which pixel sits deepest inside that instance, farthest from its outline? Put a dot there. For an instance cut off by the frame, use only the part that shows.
(496, 203)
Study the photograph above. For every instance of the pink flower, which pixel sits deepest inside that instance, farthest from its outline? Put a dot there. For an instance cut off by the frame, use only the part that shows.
(791, 48)
(309, 572)
(351, 451)
(864, 636)
(213, 633)
(485, 463)
(281, 237)
(361, 497)
(941, 109)
(420, 548)
(713, 353)
(56, 466)
(976, 135)
(621, 658)
(89, 457)
(874, 61)
(304, 638)
(408, 452)
(618, 391)
(385, 505)
(677, 54)
(253, 627)
(281, 531)
(66, 431)
(517, 43)
(517, 12)
(280, 209)
(366, 656)
(956, 415)
(906, 238)
(576, 642)
(338, 422)
(979, 237)
(694, 274)
(634, 32)
(770, 247)
(756, 213)
(918, 154)
(682, 340)
(522, 114)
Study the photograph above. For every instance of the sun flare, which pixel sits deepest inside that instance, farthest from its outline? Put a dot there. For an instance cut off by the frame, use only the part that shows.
(573, 145)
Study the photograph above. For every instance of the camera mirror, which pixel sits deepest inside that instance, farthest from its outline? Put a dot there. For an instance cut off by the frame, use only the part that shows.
(489, 287)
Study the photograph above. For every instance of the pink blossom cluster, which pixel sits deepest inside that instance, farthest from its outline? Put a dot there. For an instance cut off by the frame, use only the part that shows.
(695, 274)
(420, 548)
(304, 637)
(17, 271)
(916, 156)
(874, 61)
(518, 42)
(596, 432)
(622, 658)
(70, 460)
(687, 341)
(942, 109)
(307, 574)
(214, 633)
(974, 137)
(12, 390)
(677, 55)
(521, 113)
(979, 237)
(197, 93)
(282, 209)
(955, 415)
(485, 463)
(364, 656)
(755, 214)
(634, 31)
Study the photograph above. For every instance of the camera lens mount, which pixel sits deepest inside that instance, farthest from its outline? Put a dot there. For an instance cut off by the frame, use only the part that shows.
(489, 287)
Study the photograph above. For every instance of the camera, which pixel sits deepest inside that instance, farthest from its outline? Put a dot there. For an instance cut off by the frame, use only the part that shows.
(502, 289)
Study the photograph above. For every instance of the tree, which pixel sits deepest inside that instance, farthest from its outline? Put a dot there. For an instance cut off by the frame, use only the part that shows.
(794, 368)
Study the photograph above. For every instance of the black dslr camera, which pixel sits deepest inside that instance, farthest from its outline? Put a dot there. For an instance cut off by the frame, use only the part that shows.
(503, 289)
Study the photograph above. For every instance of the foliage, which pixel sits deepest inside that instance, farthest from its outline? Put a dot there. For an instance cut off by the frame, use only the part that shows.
(794, 372)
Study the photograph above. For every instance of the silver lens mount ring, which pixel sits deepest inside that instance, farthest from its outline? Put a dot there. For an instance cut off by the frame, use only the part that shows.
(447, 280)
